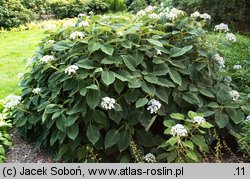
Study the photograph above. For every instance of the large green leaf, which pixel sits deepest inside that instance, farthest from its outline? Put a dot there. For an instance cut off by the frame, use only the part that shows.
(73, 131)
(141, 102)
(93, 46)
(111, 138)
(60, 124)
(93, 133)
(100, 117)
(93, 98)
(61, 46)
(163, 94)
(236, 115)
(176, 52)
(108, 49)
(108, 77)
(155, 42)
(151, 78)
(85, 63)
(175, 76)
(221, 119)
(130, 62)
(124, 141)
(191, 98)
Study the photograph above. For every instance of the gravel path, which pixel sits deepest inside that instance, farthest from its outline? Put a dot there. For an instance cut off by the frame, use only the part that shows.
(24, 152)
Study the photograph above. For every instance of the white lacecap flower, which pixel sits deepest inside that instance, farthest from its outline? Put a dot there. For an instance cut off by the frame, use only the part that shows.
(29, 62)
(174, 14)
(154, 16)
(108, 103)
(69, 23)
(36, 91)
(205, 16)
(3, 116)
(158, 52)
(231, 37)
(119, 33)
(195, 14)
(178, 130)
(221, 27)
(76, 35)
(220, 60)
(83, 24)
(141, 13)
(20, 75)
(71, 69)
(47, 58)
(49, 26)
(248, 118)
(200, 120)
(149, 158)
(234, 95)
(237, 67)
(11, 101)
(50, 42)
(153, 106)
(81, 15)
(150, 8)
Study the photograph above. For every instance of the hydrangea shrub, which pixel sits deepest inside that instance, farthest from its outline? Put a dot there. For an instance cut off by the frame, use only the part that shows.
(100, 90)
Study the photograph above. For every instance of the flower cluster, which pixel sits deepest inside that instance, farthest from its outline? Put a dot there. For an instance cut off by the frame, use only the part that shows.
(49, 42)
(149, 158)
(108, 103)
(248, 118)
(3, 116)
(36, 91)
(205, 16)
(47, 58)
(29, 62)
(49, 26)
(20, 75)
(174, 14)
(153, 106)
(202, 16)
(68, 23)
(83, 24)
(237, 67)
(76, 35)
(234, 95)
(119, 33)
(200, 120)
(150, 8)
(220, 60)
(178, 130)
(221, 27)
(11, 101)
(231, 37)
(71, 69)
(154, 16)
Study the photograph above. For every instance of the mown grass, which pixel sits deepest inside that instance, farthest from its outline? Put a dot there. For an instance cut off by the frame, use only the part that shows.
(15, 49)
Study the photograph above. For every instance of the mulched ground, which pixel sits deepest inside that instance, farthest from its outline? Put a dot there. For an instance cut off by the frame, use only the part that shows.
(24, 152)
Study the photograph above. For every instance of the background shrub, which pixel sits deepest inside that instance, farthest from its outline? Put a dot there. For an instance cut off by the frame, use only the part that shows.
(72, 8)
(13, 14)
(234, 13)
(150, 66)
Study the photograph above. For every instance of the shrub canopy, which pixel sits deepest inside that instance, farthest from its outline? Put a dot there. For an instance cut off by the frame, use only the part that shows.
(99, 91)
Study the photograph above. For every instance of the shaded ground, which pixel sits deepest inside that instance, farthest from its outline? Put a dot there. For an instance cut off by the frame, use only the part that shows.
(23, 152)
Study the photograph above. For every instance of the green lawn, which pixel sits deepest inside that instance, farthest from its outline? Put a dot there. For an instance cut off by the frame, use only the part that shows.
(15, 49)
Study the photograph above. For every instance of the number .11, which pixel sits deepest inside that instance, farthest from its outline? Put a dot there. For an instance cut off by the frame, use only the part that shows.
(240, 171)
